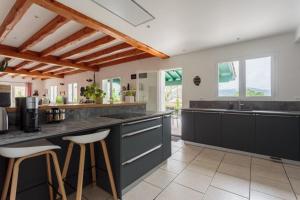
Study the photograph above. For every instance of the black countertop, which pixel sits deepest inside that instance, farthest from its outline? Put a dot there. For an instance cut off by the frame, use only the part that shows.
(269, 112)
(69, 127)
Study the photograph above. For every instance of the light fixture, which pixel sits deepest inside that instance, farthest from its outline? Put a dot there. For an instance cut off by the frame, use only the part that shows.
(128, 10)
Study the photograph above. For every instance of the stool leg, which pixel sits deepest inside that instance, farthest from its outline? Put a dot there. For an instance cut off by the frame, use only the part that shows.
(109, 170)
(80, 172)
(49, 176)
(7, 178)
(67, 161)
(14, 181)
(93, 162)
(58, 175)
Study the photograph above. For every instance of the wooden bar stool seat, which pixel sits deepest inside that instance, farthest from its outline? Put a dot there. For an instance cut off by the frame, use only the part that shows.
(90, 139)
(18, 153)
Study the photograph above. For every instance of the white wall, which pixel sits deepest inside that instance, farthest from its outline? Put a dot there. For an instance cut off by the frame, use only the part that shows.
(203, 63)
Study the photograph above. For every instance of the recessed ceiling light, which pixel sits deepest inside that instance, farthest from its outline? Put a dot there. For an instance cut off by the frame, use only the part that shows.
(128, 10)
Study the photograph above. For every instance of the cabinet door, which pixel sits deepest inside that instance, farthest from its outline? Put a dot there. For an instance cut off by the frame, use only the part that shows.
(277, 136)
(238, 131)
(187, 125)
(166, 136)
(207, 128)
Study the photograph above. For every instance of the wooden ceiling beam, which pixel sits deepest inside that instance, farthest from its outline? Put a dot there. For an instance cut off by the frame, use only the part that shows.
(21, 65)
(63, 71)
(36, 67)
(87, 47)
(33, 56)
(124, 60)
(26, 72)
(51, 69)
(13, 17)
(72, 14)
(115, 56)
(102, 52)
(72, 39)
(73, 72)
(47, 30)
(3, 74)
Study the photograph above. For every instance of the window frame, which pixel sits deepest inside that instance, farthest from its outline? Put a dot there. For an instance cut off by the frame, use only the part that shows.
(72, 92)
(242, 77)
(111, 87)
(54, 100)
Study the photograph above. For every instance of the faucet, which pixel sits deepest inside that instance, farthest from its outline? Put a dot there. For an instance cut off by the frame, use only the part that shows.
(240, 105)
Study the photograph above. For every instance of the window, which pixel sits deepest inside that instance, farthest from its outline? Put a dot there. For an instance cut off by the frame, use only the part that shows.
(72, 93)
(245, 78)
(258, 77)
(20, 91)
(229, 79)
(112, 88)
(53, 94)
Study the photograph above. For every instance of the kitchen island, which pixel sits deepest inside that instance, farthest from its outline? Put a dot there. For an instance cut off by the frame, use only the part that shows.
(137, 143)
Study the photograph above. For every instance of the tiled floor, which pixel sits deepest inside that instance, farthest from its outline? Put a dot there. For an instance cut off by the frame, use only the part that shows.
(195, 173)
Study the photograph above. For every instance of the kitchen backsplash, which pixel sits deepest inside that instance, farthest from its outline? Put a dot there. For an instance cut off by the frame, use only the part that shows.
(253, 105)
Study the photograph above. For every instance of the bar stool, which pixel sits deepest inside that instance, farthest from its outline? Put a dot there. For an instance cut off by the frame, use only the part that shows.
(20, 152)
(90, 139)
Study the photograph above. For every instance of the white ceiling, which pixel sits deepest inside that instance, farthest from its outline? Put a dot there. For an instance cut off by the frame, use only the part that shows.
(182, 26)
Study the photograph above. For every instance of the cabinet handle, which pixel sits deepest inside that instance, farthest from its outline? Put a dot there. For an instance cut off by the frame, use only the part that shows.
(140, 131)
(284, 115)
(140, 121)
(141, 155)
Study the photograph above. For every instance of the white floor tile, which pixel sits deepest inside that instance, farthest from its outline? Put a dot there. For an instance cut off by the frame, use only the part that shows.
(273, 188)
(218, 194)
(174, 166)
(274, 173)
(160, 178)
(237, 159)
(178, 192)
(268, 164)
(293, 171)
(183, 156)
(144, 191)
(255, 195)
(295, 185)
(235, 170)
(193, 180)
(232, 184)
(204, 168)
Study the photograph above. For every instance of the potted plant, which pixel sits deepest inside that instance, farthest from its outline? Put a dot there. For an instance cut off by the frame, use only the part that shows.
(129, 96)
(94, 93)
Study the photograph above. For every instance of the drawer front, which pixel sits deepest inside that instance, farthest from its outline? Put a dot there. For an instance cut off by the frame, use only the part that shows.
(138, 142)
(137, 167)
(141, 124)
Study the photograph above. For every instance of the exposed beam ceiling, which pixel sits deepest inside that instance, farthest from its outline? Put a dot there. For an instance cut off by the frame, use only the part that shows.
(36, 67)
(48, 29)
(89, 46)
(124, 60)
(25, 72)
(115, 56)
(3, 74)
(13, 17)
(72, 14)
(76, 37)
(51, 69)
(14, 53)
(63, 71)
(21, 65)
(102, 52)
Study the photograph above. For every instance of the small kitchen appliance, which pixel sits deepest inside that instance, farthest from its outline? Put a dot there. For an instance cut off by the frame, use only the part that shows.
(4, 102)
(27, 113)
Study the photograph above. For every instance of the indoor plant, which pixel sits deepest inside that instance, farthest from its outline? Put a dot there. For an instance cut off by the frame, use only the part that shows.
(129, 96)
(94, 93)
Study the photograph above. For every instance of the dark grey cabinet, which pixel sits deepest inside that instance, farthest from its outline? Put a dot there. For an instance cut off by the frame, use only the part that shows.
(167, 136)
(238, 131)
(277, 135)
(207, 128)
(188, 125)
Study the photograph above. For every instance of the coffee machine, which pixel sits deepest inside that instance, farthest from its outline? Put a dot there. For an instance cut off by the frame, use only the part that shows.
(28, 113)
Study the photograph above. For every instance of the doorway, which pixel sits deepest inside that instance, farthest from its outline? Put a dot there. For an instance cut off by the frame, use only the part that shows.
(173, 97)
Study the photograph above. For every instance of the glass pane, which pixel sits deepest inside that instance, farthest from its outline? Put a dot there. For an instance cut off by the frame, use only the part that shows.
(228, 74)
(75, 91)
(106, 89)
(20, 91)
(116, 90)
(70, 93)
(258, 77)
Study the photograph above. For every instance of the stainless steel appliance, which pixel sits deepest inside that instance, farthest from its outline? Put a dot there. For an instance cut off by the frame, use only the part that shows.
(27, 113)
(4, 102)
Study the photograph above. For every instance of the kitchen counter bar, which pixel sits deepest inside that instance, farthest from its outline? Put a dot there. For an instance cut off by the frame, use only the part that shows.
(68, 127)
(271, 112)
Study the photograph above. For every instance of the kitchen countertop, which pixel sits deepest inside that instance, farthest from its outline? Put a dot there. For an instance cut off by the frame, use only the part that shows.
(271, 112)
(68, 128)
